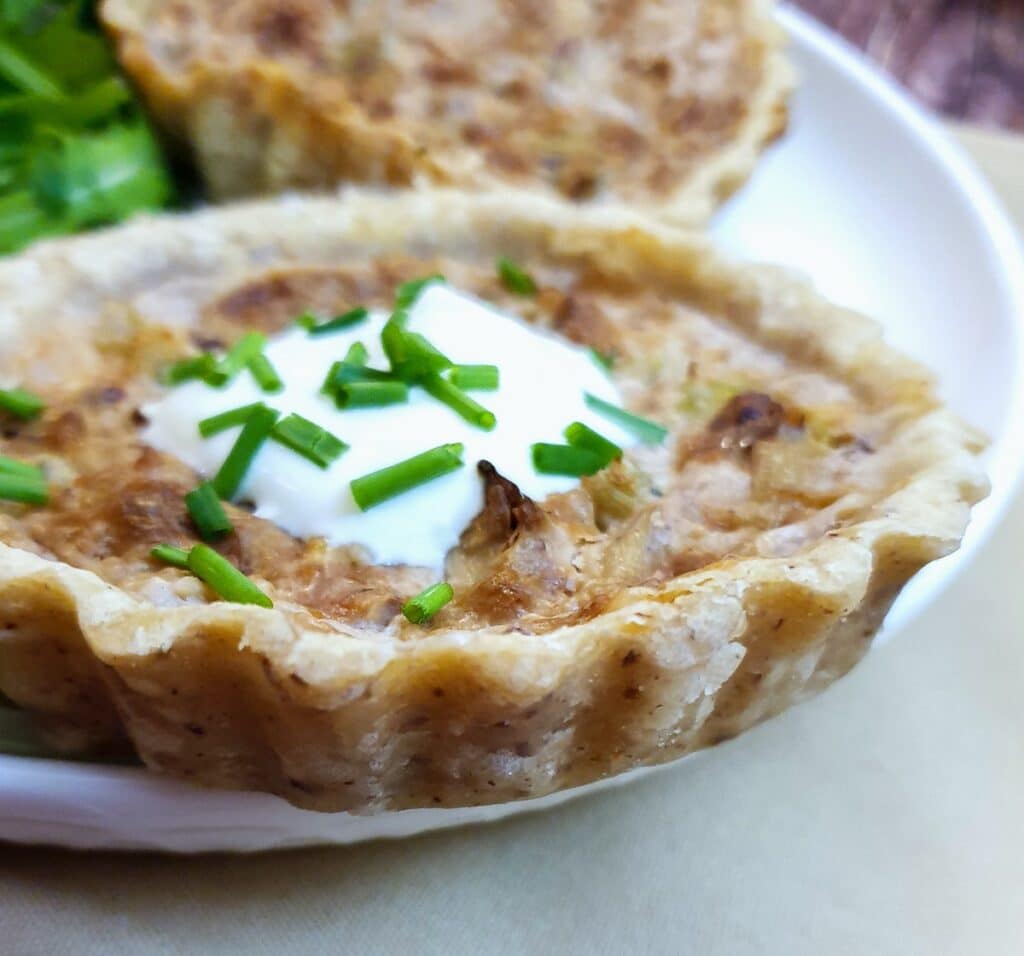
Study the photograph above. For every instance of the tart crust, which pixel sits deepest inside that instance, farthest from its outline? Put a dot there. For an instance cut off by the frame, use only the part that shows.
(589, 102)
(245, 698)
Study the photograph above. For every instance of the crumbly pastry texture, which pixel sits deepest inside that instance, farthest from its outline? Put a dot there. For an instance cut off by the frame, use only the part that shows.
(752, 580)
(664, 105)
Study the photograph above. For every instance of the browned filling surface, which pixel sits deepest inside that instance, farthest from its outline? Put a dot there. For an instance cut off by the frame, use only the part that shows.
(629, 96)
(764, 456)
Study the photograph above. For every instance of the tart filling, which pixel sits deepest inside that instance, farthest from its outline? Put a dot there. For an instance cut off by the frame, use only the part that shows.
(731, 557)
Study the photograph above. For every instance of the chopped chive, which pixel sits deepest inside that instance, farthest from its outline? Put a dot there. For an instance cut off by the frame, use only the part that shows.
(603, 360)
(265, 374)
(565, 460)
(420, 609)
(169, 554)
(229, 419)
(340, 322)
(224, 578)
(254, 432)
(30, 489)
(385, 483)
(408, 292)
(482, 378)
(582, 436)
(197, 366)
(356, 354)
(207, 513)
(341, 373)
(307, 321)
(650, 433)
(411, 355)
(20, 403)
(308, 439)
(11, 466)
(514, 278)
(370, 394)
(459, 402)
(238, 357)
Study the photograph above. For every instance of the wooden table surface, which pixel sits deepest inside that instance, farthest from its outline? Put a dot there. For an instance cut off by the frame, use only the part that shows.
(964, 58)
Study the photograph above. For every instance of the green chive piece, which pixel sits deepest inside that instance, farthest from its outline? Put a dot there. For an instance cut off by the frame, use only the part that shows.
(605, 361)
(11, 466)
(20, 403)
(341, 373)
(386, 483)
(169, 554)
(459, 402)
(356, 354)
(229, 419)
(565, 460)
(254, 432)
(197, 366)
(224, 578)
(265, 374)
(340, 322)
(238, 357)
(650, 433)
(420, 609)
(408, 292)
(514, 278)
(483, 378)
(30, 489)
(370, 394)
(207, 513)
(308, 439)
(307, 321)
(411, 355)
(582, 436)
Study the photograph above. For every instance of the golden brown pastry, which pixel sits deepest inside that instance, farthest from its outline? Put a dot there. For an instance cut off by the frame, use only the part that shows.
(664, 105)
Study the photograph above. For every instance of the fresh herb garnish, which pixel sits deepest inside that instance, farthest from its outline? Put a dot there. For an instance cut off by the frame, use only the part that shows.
(603, 360)
(169, 554)
(650, 433)
(394, 480)
(29, 489)
(11, 466)
(565, 460)
(308, 439)
(457, 400)
(482, 378)
(265, 374)
(218, 573)
(254, 432)
(224, 578)
(514, 278)
(207, 512)
(202, 366)
(339, 322)
(76, 150)
(420, 609)
(370, 394)
(408, 292)
(229, 419)
(247, 348)
(20, 403)
(582, 436)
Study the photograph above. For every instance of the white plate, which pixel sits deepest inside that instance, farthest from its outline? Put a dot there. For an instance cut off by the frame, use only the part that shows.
(866, 196)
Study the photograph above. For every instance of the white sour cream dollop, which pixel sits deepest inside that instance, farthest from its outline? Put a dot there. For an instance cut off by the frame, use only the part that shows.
(543, 381)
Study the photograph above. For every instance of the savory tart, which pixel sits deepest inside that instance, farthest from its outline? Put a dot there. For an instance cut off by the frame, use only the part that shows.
(664, 105)
(655, 497)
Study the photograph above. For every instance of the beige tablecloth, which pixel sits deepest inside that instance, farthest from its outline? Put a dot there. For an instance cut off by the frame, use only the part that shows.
(887, 817)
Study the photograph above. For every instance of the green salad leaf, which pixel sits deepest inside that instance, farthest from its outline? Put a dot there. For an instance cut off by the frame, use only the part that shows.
(75, 148)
